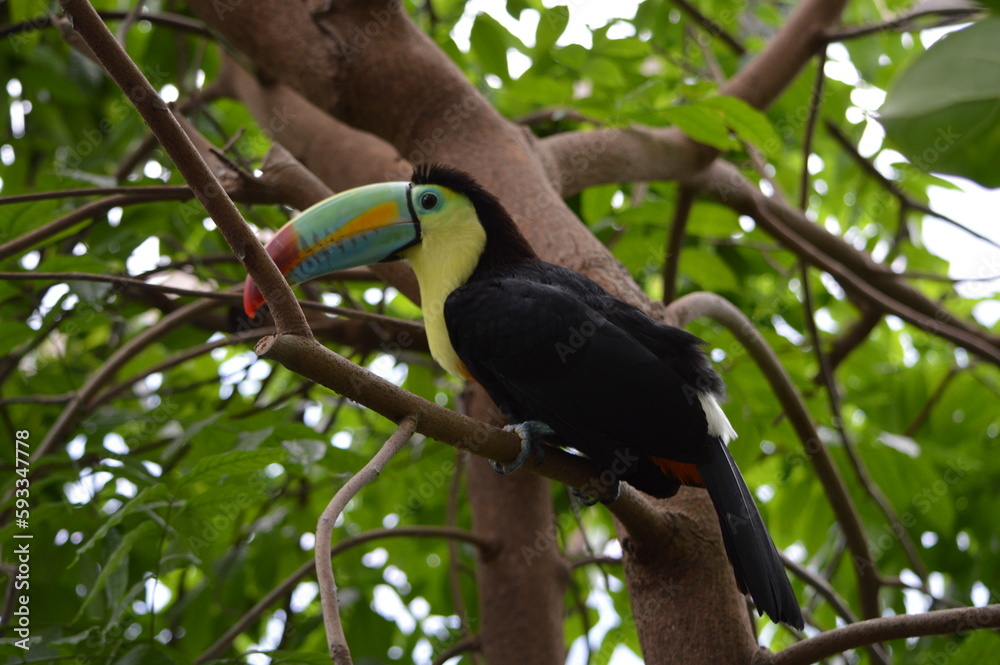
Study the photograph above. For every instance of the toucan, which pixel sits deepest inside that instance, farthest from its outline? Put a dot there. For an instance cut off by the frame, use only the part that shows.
(557, 353)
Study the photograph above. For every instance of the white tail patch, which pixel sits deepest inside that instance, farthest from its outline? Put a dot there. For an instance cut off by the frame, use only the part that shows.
(718, 424)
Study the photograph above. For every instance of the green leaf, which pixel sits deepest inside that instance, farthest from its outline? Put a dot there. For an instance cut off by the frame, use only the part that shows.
(148, 499)
(115, 561)
(704, 125)
(305, 451)
(489, 42)
(12, 334)
(980, 647)
(189, 431)
(749, 124)
(233, 462)
(253, 439)
(551, 25)
(943, 112)
(146, 654)
(708, 270)
(604, 73)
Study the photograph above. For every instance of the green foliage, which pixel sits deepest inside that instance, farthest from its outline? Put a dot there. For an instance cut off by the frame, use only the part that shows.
(943, 111)
(185, 496)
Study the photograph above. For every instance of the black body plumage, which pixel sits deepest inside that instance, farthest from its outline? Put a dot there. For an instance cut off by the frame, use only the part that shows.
(551, 345)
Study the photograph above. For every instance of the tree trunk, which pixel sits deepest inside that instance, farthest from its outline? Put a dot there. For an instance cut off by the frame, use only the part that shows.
(521, 587)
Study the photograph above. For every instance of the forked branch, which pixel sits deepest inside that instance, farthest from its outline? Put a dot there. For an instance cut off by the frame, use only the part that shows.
(336, 640)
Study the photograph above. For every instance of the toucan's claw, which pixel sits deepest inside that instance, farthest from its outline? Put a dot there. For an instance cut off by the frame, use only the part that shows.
(529, 432)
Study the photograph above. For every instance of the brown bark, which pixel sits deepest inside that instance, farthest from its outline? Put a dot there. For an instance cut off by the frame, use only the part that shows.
(703, 626)
(515, 511)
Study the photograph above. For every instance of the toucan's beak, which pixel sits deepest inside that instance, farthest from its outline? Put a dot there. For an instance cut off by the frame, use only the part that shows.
(355, 228)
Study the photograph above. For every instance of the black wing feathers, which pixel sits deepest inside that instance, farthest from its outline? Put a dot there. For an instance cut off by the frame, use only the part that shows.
(549, 344)
(755, 559)
(542, 353)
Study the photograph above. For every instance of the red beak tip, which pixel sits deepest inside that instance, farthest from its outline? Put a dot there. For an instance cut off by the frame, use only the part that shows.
(252, 299)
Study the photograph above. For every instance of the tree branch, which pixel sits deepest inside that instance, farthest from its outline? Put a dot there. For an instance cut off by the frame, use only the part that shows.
(814, 103)
(289, 583)
(89, 211)
(305, 356)
(177, 21)
(718, 308)
(855, 271)
(960, 12)
(822, 587)
(711, 26)
(232, 296)
(675, 242)
(764, 78)
(177, 144)
(833, 398)
(894, 187)
(860, 634)
(468, 644)
(336, 640)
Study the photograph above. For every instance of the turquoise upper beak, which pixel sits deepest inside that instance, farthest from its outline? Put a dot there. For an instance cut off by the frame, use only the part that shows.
(354, 228)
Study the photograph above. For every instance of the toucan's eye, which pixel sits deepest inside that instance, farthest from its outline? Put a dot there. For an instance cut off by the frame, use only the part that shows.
(428, 200)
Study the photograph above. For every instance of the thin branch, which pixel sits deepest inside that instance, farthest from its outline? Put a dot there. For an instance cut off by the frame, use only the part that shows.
(855, 336)
(907, 22)
(935, 397)
(174, 361)
(822, 587)
(177, 21)
(133, 15)
(830, 643)
(235, 297)
(922, 588)
(289, 583)
(336, 640)
(694, 305)
(144, 190)
(870, 282)
(675, 242)
(89, 211)
(809, 133)
(177, 144)
(466, 645)
(599, 559)
(893, 187)
(916, 274)
(833, 397)
(37, 399)
(711, 27)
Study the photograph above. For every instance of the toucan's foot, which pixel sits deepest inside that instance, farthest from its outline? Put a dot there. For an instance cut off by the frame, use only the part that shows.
(529, 432)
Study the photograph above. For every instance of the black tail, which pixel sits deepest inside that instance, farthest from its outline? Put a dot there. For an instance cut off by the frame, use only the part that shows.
(750, 548)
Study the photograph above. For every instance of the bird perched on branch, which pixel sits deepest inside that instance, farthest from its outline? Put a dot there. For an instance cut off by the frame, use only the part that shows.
(557, 353)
